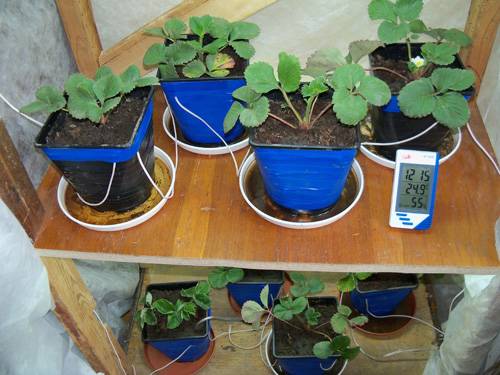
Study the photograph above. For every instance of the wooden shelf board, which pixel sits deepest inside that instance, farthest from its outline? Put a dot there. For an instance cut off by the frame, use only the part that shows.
(208, 223)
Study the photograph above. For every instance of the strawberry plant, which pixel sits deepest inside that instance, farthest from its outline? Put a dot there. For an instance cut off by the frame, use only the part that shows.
(221, 276)
(202, 54)
(86, 98)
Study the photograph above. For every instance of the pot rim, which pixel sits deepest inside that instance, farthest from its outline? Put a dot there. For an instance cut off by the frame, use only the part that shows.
(414, 285)
(282, 277)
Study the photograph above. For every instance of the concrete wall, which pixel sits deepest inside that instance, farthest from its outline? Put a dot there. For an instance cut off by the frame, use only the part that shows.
(34, 52)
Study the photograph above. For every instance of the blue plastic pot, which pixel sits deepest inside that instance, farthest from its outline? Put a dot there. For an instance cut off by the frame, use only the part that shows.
(303, 178)
(380, 302)
(208, 98)
(250, 291)
(173, 348)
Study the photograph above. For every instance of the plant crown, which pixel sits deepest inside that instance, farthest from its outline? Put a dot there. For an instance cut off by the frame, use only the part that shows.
(202, 55)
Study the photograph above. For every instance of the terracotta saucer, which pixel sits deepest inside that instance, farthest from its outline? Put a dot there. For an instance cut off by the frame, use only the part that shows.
(156, 359)
(385, 327)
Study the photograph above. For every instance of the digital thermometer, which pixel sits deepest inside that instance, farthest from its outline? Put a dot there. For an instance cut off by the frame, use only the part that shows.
(414, 189)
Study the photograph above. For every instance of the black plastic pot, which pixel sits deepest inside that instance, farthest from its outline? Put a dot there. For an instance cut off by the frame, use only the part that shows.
(88, 169)
(390, 125)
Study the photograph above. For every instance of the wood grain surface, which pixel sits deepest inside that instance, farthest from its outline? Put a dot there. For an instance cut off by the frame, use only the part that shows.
(207, 222)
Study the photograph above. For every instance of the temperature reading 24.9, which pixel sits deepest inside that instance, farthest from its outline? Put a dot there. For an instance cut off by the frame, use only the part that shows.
(414, 187)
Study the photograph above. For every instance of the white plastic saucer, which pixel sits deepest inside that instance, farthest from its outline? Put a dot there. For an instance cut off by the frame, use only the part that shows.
(218, 150)
(356, 168)
(63, 185)
(379, 159)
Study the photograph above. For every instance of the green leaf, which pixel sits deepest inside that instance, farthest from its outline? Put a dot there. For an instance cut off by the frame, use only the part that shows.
(340, 343)
(202, 287)
(297, 277)
(350, 353)
(389, 32)
(260, 77)
(149, 298)
(347, 283)
(361, 48)
(451, 110)
(217, 278)
(339, 323)
(49, 100)
(256, 113)
(244, 30)
(167, 71)
(35, 106)
(374, 90)
(149, 317)
(251, 312)
(344, 310)
(194, 69)
(282, 313)
(299, 305)
(163, 306)
(102, 72)
(215, 46)
(110, 104)
(81, 106)
(244, 49)
(359, 320)
(440, 54)
(218, 73)
(350, 109)
(173, 321)
(314, 88)
(188, 292)
(299, 290)
(362, 275)
(408, 10)
(180, 53)
(289, 72)
(235, 274)
(107, 87)
(417, 26)
(146, 81)
(200, 25)
(202, 300)
(458, 37)
(129, 78)
(78, 84)
(189, 309)
(229, 122)
(220, 28)
(154, 55)
(312, 316)
(315, 285)
(323, 349)
(246, 94)
(155, 31)
(220, 61)
(174, 29)
(264, 296)
(452, 79)
(382, 10)
(347, 76)
(324, 61)
(417, 99)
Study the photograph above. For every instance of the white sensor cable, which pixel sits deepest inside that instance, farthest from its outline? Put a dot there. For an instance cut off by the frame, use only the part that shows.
(36, 122)
(107, 191)
(483, 149)
(402, 141)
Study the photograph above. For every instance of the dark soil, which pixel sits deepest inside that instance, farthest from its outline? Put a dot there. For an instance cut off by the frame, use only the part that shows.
(186, 329)
(327, 131)
(380, 281)
(263, 276)
(118, 130)
(291, 341)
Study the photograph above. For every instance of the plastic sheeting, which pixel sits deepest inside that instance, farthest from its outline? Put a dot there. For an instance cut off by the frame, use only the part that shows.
(32, 341)
(472, 328)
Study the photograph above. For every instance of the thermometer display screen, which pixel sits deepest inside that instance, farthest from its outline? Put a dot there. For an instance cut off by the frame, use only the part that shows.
(414, 188)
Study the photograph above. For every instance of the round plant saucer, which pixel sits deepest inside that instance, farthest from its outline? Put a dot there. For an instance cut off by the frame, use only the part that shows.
(275, 368)
(110, 221)
(254, 193)
(370, 153)
(385, 327)
(156, 359)
(215, 149)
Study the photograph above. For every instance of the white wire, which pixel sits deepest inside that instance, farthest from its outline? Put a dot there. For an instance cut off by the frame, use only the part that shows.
(107, 191)
(453, 301)
(36, 122)
(253, 346)
(400, 142)
(483, 149)
(172, 361)
(163, 196)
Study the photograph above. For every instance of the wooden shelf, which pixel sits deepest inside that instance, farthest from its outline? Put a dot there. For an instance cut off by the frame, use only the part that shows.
(208, 223)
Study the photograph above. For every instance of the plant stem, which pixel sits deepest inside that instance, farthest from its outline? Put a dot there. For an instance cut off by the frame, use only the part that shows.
(302, 328)
(387, 70)
(287, 100)
(282, 120)
(408, 46)
(326, 108)
(309, 110)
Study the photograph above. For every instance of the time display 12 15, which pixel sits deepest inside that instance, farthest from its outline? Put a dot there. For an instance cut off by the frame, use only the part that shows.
(414, 188)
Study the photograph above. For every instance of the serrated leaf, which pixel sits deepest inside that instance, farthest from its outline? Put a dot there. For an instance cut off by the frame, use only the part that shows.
(110, 104)
(154, 55)
(129, 78)
(297, 277)
(202, 301)
(188, 292)
(234, 275)
(374, 90)
(408, 10)
(146, 81)
(451, 110)
(440, 54)
(349, 108)
(340, 343)
(350, 353)
(344, 310)
(102, 72)
(389, 32)
(457, 36)
(347, 283)
(264, 296)
(194, 69)
(107, 87)
(299, 305)
(163, 306)
(76, 82)
(217, 278)
(323, 61)
(174, 29)
(382, 10)
(359, 320)
(173, 321)
(339, 323)
(417, 99)
(312, 316)
(251, 312)
(195, 44)
(361, 48)
(243, 30)
(362, 275)
(417, 26)
(149, 317)
(260, 77)
(215, 46)
(220, 61)
(289, 72)
(314, 88)
(452, 79)
(246, 94)
(323, 349)
(49, 100)
(315, 285)
(220, 28)
(282, 313)
(437, 33)
(218, 73)
(180, 53)
(167, 71)
(243, 49)
(81, 106)
(299, 290)
(155, 31)
(232, 116)
(256, 113)
(202, 287)
(347, 76)
(200, 25)
(36, 106)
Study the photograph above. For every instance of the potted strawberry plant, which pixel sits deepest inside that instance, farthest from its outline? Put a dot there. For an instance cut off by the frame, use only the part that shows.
(305, 136)
(199, 71)
(308, 332)
(246, 285)
(94, 131)
(428, 80)
(169, 319)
